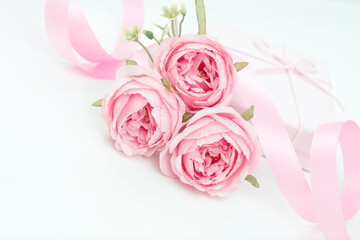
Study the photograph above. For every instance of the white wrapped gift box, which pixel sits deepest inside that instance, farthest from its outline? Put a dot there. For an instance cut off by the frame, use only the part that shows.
(298, 84)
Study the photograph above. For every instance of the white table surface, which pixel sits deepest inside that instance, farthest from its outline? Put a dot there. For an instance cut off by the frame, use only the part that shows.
(60, 176)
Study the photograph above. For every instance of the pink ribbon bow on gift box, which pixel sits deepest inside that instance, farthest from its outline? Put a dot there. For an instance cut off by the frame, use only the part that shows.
(69, 31)
(305, 68)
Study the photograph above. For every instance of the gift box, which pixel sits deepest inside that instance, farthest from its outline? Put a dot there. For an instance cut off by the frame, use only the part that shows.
(298, 84)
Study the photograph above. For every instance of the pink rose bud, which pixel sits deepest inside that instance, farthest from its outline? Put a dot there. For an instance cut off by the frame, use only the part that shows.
(214, 153)
(142, 114)
(199, 68)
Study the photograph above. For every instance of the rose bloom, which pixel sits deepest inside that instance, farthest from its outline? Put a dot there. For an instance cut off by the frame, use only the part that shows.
(142, 114)
(214, 153)
(199, 68)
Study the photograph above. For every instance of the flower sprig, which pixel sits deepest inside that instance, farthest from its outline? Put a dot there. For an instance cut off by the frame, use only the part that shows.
(150, 34)
(132, 35)
(183, 13)
(172, 13)
(165, 30)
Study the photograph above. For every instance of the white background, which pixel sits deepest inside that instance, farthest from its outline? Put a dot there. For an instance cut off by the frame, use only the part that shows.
(60, 176)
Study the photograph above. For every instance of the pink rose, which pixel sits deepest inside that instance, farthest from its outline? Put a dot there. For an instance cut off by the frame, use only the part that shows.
(142, 114)
(199, 68)
(214, 153)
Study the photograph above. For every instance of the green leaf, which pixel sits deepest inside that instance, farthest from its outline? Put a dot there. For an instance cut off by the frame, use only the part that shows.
(251, 179)
(240, 65)
(98, 103)
(149, 34)
(201, 16)
(131, 62)
(248, 114)
(167, 84)
(165, 31)
(187, 116)
(157, 25)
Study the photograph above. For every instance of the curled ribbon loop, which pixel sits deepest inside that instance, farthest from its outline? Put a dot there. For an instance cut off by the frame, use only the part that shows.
(68, 31)
(330, 209)
(321, 202)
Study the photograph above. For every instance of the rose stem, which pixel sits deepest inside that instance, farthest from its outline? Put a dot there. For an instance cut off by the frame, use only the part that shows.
(180, 28)
(157, 41)
(147, 51)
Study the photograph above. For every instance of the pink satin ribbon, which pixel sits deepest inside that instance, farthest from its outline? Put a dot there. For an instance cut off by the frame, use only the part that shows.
(68, 31)
(321, 202)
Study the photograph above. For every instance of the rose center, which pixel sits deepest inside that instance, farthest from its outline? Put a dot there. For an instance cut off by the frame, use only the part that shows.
(202, 74)
(146, 118)
(214, 159)
(197, 73)
(210, 163)
(139, 126)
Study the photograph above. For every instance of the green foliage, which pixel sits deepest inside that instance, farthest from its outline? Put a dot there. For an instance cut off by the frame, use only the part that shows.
(98, 103)
(240, 65)
(187, 116)
(167, 84)
(131, 62)
(251, 179)
(249, 113)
